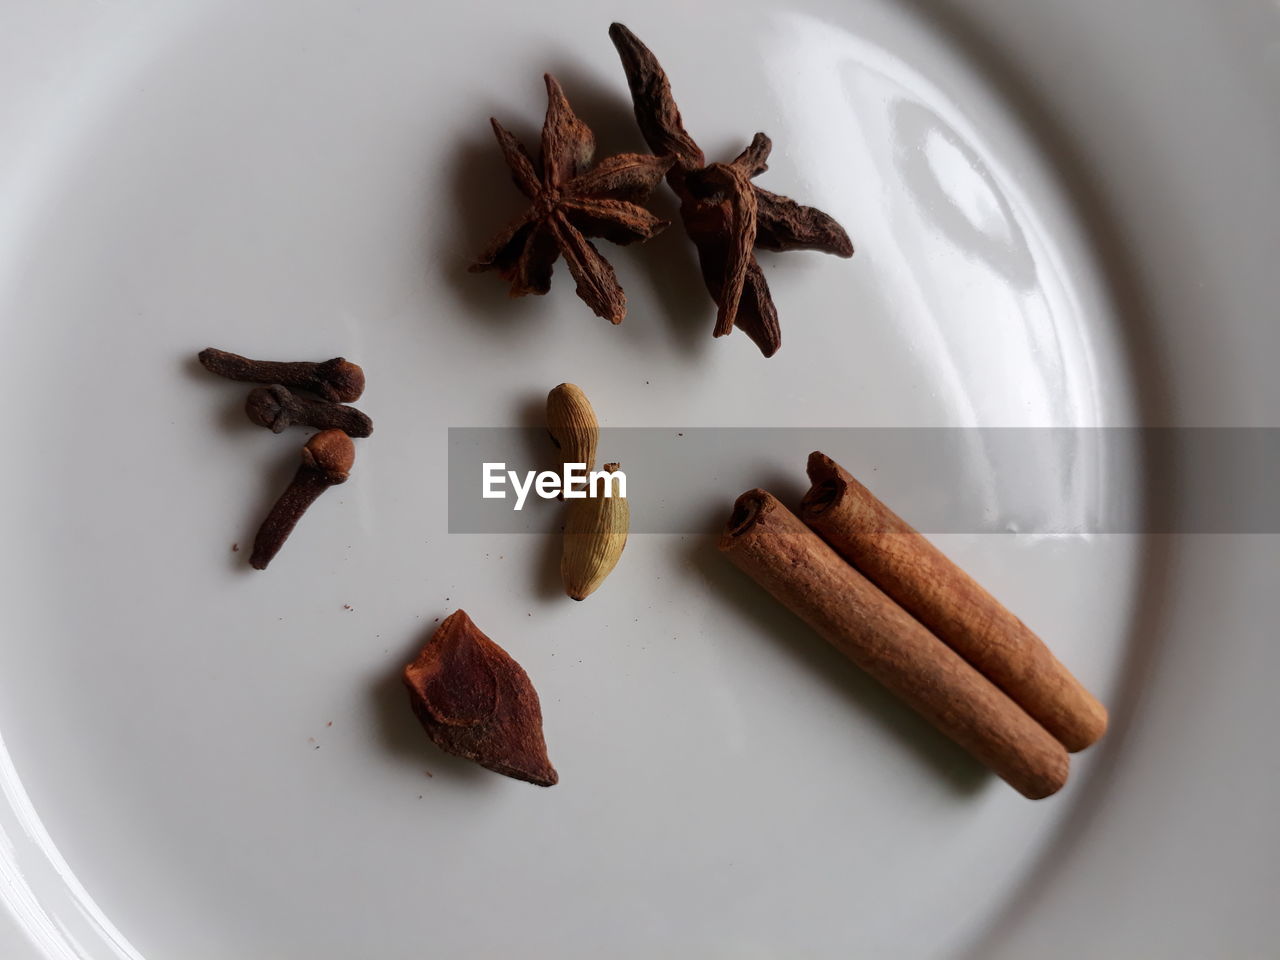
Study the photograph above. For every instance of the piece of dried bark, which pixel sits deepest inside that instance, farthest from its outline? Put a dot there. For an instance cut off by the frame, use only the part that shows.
(477, 703)
(922, 580)
(769, 543)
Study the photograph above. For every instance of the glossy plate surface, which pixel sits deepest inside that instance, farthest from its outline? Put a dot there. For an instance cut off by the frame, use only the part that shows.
(1056, 226)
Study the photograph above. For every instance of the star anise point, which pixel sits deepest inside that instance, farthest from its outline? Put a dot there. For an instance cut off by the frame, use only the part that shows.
(726, 216)
(572, 200)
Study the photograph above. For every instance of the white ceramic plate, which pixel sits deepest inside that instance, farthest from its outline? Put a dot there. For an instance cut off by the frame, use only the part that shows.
(1065, 215)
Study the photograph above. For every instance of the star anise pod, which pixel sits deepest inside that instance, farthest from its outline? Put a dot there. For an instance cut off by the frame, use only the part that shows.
(571, 201)
(724, 213)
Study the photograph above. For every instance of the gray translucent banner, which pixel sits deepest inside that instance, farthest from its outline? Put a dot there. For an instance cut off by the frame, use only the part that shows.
(941, 480)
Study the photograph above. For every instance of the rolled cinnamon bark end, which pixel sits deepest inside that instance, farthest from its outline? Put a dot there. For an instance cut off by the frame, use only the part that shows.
(923, 581)
(770, 544)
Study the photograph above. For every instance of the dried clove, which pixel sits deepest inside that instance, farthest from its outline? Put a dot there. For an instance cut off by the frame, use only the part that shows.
(477, 703)
(724, 213)
(277, 407)
(338, 380)
(326, 460)
(571, 201)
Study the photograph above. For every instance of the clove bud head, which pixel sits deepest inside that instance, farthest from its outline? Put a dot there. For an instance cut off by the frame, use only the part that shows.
(344, 379)
(331, 453)
(271, 407)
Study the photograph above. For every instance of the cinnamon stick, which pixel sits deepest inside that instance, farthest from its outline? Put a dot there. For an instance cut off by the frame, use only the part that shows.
(770, 544)
(964, 616)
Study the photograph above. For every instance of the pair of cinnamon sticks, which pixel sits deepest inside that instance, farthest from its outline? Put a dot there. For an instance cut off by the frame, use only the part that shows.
(891, 602)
